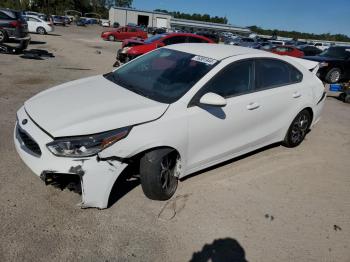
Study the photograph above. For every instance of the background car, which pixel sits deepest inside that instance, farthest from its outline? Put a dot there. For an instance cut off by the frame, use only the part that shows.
(80, 22)
(334, 64)
(309, 50)
(105, 22)
(13, 26)
(321, 45)
(212, 36)
(287, 50)
(133, 48)
(124, 33)
(37, 25)
(245, 42)
(266, 46)
(58, 20)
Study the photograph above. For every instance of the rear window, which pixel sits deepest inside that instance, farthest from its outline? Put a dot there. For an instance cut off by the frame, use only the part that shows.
(272, 73)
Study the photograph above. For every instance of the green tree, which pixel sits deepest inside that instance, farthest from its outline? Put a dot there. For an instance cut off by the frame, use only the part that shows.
(123, 3)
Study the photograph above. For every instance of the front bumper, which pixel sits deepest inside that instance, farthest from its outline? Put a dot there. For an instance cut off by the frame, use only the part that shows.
(97, 177)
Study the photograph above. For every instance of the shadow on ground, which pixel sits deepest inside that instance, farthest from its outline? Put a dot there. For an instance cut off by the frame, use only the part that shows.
(221, 250)
(127, 181)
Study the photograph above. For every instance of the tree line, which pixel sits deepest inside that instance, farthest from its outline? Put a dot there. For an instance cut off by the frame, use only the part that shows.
(197, 17)
(300, 35)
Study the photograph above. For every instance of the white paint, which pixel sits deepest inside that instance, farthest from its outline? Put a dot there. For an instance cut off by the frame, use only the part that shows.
(203, 136)
(161, 22)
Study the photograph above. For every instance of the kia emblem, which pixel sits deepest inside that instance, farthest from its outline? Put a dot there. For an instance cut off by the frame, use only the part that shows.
(24, 121)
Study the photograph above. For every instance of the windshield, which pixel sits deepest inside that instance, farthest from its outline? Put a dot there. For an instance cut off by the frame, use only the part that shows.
(336, 52)
(154, 38)
(163, 75)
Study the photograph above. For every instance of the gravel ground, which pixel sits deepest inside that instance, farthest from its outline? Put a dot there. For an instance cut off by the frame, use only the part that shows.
(277, 204)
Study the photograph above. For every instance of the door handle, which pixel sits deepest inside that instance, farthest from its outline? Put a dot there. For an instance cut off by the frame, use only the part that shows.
(296, 95)
(253, 106)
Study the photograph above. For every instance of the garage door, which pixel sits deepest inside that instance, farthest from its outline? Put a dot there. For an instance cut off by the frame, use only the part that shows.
(161, 22)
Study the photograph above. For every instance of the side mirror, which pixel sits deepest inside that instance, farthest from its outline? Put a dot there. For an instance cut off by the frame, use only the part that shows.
(213, 99)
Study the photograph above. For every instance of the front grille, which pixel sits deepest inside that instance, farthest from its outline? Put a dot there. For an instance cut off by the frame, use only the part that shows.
(29, 143)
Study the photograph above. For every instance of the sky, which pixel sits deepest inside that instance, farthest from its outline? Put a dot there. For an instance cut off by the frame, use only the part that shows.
(311, 16)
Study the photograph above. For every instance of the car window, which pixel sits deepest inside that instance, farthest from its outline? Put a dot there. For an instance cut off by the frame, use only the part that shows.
(272, 73)
(192, 39)
(33, 19)
(3, 16)
(318, 44)
(174, 40)
(234, 79)
(132, 30)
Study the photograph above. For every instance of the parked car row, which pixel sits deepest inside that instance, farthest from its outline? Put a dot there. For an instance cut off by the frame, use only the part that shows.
(132, 48)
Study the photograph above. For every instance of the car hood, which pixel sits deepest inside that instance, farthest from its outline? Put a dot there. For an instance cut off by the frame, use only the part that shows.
(88, 106)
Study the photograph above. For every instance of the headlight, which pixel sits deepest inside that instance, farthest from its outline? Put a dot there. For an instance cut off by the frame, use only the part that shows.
(125, 49)
(323, 64)
(84, 146)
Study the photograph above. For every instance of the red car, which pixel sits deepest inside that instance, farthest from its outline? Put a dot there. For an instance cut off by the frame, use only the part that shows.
(132, 48)
(287, 50)
(124, 33)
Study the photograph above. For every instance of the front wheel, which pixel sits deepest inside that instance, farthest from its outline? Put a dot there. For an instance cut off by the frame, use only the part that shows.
(157, 173)
(298, 129)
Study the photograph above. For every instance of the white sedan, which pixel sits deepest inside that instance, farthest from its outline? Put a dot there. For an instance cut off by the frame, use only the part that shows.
(38, 25)
(168, 113)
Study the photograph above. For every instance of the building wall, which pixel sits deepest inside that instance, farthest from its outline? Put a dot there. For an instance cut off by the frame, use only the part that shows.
(125, 16)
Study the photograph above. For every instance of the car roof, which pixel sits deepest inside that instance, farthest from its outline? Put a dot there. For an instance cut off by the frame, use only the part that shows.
(215, 51)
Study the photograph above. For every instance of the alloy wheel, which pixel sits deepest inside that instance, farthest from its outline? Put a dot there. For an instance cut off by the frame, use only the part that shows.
(167, 172)
(335, 75)
(299, 129)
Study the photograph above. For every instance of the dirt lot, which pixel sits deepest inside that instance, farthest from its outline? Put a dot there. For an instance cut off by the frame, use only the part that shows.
(275, 205)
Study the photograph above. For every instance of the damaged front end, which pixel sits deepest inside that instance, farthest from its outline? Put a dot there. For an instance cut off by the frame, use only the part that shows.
(90, 176)
(93, 179)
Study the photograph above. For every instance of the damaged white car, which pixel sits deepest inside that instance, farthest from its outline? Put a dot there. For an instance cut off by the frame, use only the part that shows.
(171, 112)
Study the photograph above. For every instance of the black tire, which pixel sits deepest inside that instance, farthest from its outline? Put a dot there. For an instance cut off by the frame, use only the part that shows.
(298, 129)
(41, 30)
(333, 76)
(3, 36)
(157, 169)
(111, 38)
(347, 98)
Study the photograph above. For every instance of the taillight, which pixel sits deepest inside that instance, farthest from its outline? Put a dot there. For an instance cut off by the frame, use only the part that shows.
(16, 23)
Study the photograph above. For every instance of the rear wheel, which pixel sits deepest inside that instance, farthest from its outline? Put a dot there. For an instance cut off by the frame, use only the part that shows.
(41, 30)
(298, 129)
(111, 38)
(3, 36)
(333, 76)
(157, 173)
